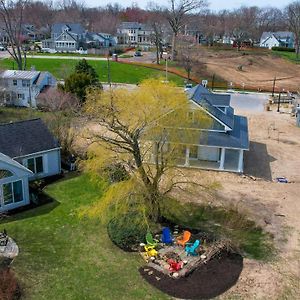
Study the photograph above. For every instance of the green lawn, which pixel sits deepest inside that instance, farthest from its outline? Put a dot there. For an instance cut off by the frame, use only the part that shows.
(62, 257)
(291, 56)
(120, 72)
(15, 114)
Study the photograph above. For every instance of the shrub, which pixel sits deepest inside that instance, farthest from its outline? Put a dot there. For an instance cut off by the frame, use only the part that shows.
(283, 49)
(115, 173)
(126, 231)
(9, 288)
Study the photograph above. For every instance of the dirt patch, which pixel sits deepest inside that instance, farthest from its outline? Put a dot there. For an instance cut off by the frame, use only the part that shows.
(207, 282)
(258, 71)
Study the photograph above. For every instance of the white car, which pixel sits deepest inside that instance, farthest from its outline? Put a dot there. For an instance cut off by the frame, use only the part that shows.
(188, 86)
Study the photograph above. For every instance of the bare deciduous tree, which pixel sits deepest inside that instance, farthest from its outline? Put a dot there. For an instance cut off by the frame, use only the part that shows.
(157, 22)
(293, 18)
(12, 16)
(177, 15)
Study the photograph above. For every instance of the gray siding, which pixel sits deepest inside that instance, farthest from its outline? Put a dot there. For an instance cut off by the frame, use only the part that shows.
(51, 163)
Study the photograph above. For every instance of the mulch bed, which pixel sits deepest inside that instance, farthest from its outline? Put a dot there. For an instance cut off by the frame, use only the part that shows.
(208, 281)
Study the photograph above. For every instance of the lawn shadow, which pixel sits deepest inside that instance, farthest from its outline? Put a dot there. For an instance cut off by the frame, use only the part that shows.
(257, 161)
(45, 206)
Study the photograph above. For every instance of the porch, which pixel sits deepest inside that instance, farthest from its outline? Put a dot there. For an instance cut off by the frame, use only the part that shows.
(211, 158)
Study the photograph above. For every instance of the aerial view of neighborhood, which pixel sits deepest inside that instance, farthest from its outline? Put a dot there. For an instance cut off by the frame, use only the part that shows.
(149, 150)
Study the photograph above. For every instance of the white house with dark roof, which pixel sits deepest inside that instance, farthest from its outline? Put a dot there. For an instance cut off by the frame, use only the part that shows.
(72, 37)
(134, 33)
(21, 88)
(28, 151)
(277, 39)
(222, 144)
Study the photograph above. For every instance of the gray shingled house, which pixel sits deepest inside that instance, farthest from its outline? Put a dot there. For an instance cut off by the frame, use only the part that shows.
(28, 151)
(220, 146)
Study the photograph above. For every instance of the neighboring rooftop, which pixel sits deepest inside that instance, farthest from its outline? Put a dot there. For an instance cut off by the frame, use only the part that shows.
(25, 137)
(15, 74)
(72, 27)
(133, 25)
(278, 35)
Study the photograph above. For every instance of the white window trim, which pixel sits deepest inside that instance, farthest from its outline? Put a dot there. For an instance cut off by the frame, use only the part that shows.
(2, 204)
(25, 163)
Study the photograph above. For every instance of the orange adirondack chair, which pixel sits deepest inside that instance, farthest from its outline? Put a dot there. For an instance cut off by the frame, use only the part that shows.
(184, 238)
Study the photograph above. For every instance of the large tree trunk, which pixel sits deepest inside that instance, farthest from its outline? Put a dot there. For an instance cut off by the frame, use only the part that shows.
(174, 38)
(157, 52)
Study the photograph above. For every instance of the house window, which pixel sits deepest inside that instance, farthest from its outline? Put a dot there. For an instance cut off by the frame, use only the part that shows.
(12, 192)
(35, 164)
(25, 83)
(7, 193)
(15, 82)
(5, 173)
(21, 96)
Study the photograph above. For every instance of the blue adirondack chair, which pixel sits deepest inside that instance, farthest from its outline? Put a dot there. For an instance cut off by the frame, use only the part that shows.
(190, 249)
(166, 236)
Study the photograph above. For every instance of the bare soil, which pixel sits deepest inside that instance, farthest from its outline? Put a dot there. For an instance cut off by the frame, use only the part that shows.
(274, 152)
(258, 70)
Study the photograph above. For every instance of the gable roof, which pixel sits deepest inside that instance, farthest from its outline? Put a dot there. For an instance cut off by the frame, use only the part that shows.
(200, 95)
(134, 25)
(70, 34)
(74, 28)
(26, 137)
(4, 158)
(279, 35)
(235, 139)
(14, 74)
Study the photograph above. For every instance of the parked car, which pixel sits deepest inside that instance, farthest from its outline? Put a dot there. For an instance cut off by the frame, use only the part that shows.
(188, 86)
(138, 53)
(2, 48)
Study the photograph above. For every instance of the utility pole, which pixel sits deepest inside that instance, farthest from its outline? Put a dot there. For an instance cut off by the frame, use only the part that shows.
(273, 90)
(279, 102)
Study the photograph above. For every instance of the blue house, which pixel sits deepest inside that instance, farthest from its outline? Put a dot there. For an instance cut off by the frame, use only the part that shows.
(222, 144)
(28, 151)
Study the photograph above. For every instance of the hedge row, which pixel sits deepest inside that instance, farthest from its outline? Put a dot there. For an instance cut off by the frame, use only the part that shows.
(283, 49)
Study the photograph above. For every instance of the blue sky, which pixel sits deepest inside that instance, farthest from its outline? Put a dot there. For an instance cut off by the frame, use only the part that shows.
(214, 4)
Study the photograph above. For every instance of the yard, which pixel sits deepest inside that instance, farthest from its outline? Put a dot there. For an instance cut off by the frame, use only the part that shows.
(120, 73)
(62, 257)
(291, 56)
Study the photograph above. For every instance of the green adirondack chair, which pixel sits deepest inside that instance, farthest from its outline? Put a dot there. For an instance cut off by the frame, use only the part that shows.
(150, 240)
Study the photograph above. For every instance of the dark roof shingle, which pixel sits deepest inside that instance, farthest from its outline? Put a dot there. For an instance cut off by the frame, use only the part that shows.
(25, 137)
